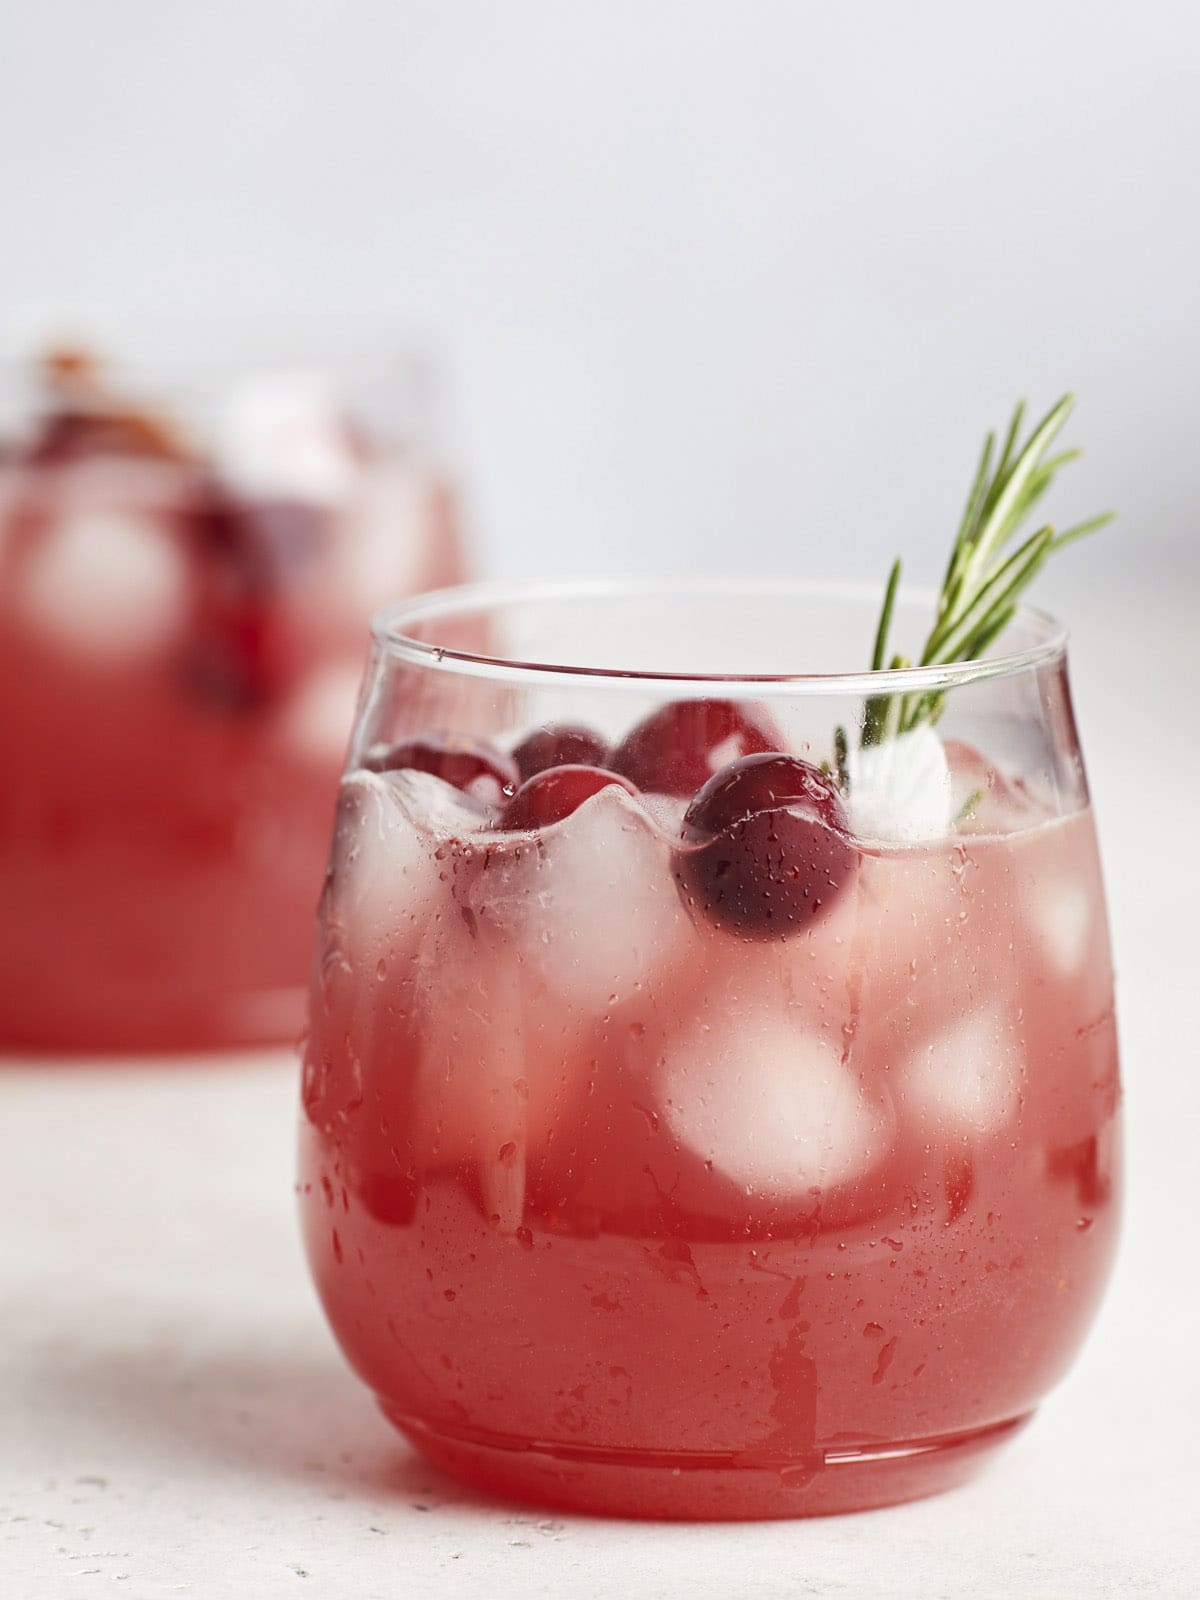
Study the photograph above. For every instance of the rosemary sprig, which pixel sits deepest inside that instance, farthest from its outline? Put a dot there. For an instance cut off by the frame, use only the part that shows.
(984, 581)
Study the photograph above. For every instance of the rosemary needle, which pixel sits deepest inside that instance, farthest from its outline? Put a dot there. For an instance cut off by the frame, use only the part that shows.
(984, 578)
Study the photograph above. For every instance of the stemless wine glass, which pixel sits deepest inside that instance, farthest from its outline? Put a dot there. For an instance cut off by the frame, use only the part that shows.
(707, 1113)
(188, 562)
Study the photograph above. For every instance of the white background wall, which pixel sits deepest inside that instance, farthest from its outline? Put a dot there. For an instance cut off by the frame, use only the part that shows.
(719, 284)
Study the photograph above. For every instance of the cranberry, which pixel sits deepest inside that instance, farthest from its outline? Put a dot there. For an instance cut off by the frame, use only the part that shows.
(766, 846)
(559, 745)
(472, 765)
(244, 654)
(682, 744)
(554, 794)
(245, 648)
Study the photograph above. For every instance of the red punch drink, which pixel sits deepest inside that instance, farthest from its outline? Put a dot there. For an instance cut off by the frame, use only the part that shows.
(698, 1123)
(182, 600)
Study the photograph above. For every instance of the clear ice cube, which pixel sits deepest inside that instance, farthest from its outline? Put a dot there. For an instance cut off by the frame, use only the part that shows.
(1064, 912)
(589, 904)
(768, 1102)
(388, 883)
(983, 800)
(968, 1077)
(109, 583)
(899, 791)
(385, 543)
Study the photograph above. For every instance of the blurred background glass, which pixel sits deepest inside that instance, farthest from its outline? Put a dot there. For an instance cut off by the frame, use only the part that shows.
(188, 561)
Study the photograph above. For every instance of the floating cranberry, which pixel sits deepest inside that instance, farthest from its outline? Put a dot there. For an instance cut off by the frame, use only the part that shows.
(244, 654)
(554, 794)
(245, 650)
(766, 847)
(472, 765)
(559, 745)
(680, 746)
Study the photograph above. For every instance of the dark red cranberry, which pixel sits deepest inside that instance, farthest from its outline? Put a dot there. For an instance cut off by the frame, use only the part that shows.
(472, 765)
(244, 654)
(766, 847)
(681, 745)
(554, 794)
(559, 745)
(389, 1197)
(244, 650)
(762, 782)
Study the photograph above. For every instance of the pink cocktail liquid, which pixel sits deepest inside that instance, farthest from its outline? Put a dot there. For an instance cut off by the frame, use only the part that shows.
(180, 646)
(617, 1209)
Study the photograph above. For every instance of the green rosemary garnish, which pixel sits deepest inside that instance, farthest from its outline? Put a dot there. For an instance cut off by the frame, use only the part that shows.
(983, 584)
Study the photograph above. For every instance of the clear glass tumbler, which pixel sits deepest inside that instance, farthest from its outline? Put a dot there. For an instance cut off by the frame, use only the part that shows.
(707, 1113)
(188, 563)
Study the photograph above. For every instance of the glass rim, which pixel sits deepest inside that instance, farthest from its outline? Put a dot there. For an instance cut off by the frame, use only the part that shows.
(388, 627)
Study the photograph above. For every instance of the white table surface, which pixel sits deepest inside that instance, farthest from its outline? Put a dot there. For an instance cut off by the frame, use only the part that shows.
(175, 1419)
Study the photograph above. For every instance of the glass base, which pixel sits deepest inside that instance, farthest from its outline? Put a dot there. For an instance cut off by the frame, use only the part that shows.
(705, 1487)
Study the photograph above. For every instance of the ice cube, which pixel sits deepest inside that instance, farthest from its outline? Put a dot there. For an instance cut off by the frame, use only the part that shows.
(1064, 912)
(666, 812)
(471, 1025)
(319, 716)
(388, 877)
(899, 791)
(436, 808)
(500, 1065)
(967, 1077)
(385, 545)
(769, 1103)
(113, 584)
(983, 800)
(590, 903)
(284, 437)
